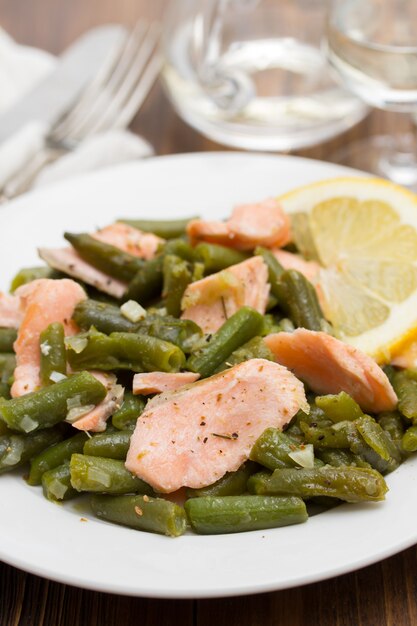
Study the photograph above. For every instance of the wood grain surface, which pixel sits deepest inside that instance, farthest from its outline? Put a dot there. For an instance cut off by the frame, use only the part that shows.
(384, 594)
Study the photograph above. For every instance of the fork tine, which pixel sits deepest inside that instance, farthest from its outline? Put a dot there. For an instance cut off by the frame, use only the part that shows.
(138, 96)
(93, 95)
(106, 70)
(138, 72)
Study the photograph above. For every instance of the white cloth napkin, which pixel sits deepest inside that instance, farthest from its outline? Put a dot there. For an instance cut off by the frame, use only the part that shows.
(20, 68)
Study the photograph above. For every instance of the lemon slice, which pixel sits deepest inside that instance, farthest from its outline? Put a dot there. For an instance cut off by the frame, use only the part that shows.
(363, 233)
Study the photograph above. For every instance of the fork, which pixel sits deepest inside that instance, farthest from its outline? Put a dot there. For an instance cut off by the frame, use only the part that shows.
(110, 101)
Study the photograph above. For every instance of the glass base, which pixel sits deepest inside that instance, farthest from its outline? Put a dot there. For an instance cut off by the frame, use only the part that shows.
(392, 157)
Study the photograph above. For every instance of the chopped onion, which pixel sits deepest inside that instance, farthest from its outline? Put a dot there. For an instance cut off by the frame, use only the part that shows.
(304, 456)
(28, 424)
(56, 376)
(76, 343)
(74, 402)
(340, 425)
(133, 311)
(45, 348)
(13, 452)
(99, 476)
(57, 489)
(74, 414)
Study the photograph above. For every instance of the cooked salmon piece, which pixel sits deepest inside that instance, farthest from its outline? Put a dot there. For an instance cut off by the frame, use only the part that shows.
(193, 436)
(250, 225)
(69, 261)
(43, 301)
(212, 300)
(290, 261)
(158, 382)
(328, 365)
(131, 240)
(10, 311)
(95, 420)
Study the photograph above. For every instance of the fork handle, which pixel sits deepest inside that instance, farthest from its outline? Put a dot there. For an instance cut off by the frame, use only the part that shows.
(25, 177)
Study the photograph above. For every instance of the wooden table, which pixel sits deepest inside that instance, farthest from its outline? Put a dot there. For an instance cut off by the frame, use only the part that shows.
(383, 594)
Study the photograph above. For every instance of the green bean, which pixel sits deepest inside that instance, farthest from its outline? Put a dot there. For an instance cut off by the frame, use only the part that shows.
(353, 484)
(286, 325)
(409, 439)
(341, 458)
(389, 371)
(126, 417)
(54, 456)
(233, 514)
(298, 298)
(7, 367)
(153, 515)
(183, 333)
(216, 258)
(180, 248)
(167, 229)
(255, 348)
(52, 349)
(271, 449)
(176, 278)
(56, 484)
(391, 422)
(275, 270)
(94, 473)
(107, 318)
(147, 282)
(325, 437)
(105, 257)
(28, 274)
(360, 448)
(5, 391)
(16, 450)
(339, 407)
(231, 484)
(130, 351)
(237, 330)
(378, 440)
(406, 389)
(7, 338)
(48, 406)
(109, 445)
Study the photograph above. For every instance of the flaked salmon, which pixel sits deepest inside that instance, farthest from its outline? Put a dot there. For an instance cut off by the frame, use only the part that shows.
(95, 420)
(193, 436)
(10, 311)
(328, 365)
(43, 301)
(69, 261)
(212, 300)
(131, 240)
(290, 261)
(250, 225)
(159, 382)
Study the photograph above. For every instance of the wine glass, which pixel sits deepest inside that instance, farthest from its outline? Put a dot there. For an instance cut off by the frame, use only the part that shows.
(251, 74)
(372, 46)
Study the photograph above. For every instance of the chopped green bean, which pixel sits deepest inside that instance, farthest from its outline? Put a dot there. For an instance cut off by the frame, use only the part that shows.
(275, 270)
(255, 348)
(167, 229)
(16, 450)
(105, 257)
(233, 514)
(53, 354)
(109, 445)
(28, 274)
(231, 484)
(55, 455)
(339, 407)
(48, 406)
(298, 298)
(126, 417)
(216, 258)
(56, 484)
(406, 389)
(409, 439)
(176, 278)
(7, 338)
(153, 515)
(237, 330)
(130, 351)
(353, 484)
(98, 474)
(147, 282)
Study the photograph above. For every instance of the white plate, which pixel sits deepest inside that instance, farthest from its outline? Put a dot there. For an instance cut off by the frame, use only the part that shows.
(51, 541)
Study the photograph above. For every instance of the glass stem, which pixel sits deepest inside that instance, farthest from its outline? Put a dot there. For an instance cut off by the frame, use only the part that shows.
(398, 161)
